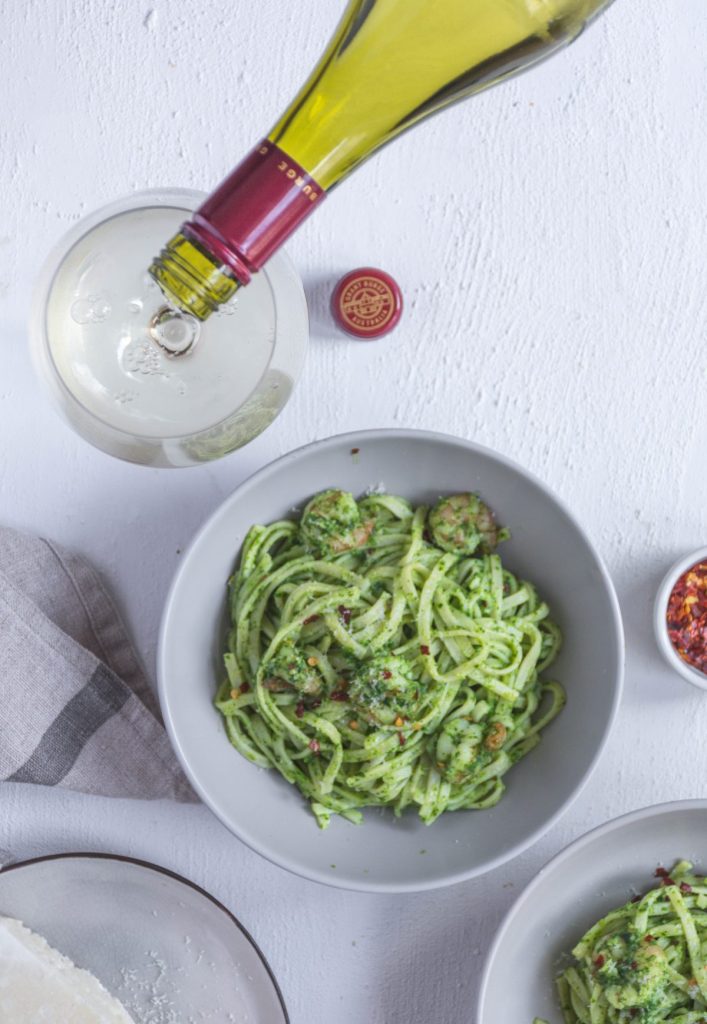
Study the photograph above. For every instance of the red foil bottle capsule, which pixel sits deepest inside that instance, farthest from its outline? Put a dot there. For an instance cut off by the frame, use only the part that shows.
(254, 210)
(367, 303)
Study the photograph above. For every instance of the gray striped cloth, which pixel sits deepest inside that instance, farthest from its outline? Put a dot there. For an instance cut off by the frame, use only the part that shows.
(76, 709)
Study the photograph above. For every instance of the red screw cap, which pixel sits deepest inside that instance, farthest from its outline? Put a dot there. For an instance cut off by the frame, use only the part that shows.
(367, 303)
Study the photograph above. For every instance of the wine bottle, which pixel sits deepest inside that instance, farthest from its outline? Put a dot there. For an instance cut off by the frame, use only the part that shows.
(389, 64)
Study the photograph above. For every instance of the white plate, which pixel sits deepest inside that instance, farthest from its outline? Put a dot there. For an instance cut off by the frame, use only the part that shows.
(597, 873)
(547, 547)
(164, 947)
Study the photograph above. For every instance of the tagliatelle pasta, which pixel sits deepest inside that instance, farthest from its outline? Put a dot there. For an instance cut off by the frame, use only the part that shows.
(645, 962)
(381, 655)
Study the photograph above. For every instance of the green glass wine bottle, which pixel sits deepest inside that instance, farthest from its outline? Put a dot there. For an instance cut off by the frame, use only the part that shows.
(389, 64)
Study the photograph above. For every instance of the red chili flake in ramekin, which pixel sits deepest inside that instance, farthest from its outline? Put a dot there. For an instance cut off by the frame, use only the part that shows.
(686, 616)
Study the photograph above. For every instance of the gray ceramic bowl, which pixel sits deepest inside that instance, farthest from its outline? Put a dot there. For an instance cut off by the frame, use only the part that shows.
(597, 873)
(548, 547)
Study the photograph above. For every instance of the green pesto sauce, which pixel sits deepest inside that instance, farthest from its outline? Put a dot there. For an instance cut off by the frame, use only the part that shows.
(290, 666)
(384, 688)
(635, 977)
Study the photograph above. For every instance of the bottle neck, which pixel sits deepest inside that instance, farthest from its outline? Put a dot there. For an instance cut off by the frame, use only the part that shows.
(236, 230)
(255, 210)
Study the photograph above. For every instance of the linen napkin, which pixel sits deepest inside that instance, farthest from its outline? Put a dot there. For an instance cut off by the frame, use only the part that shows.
(75, 707)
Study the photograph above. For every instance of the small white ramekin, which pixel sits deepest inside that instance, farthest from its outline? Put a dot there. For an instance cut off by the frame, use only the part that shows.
(660, 625)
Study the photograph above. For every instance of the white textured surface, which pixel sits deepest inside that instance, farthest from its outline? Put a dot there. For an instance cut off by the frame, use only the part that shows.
(549, 237)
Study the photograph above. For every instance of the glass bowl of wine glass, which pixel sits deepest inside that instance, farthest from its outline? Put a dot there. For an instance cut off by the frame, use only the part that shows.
(137, 378)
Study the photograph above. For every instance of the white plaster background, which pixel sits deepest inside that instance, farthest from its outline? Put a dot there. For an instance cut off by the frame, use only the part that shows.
(550, 239)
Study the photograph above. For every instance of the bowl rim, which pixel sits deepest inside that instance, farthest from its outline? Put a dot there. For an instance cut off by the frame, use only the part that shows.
(15, 865)
(357, 438)
(614, 824)
(660, 608)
